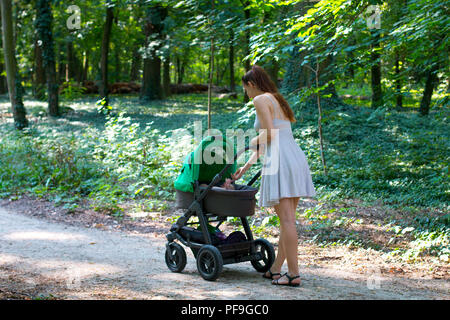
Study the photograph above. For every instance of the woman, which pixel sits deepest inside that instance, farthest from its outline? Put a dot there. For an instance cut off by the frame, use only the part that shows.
(292, 179)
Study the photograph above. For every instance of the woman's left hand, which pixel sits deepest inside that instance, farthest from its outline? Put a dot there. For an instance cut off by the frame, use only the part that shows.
(239, 173)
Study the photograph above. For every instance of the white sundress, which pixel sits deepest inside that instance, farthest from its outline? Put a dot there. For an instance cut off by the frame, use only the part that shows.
(285, 171)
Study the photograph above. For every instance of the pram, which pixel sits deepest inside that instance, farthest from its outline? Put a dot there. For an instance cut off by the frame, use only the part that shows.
(213, 204)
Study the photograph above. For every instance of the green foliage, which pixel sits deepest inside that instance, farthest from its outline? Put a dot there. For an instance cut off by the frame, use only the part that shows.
(103, 107)
(430, 236)
(71, 91)
(423, 235)
(381, 154)
(397, 157)
(118, 162)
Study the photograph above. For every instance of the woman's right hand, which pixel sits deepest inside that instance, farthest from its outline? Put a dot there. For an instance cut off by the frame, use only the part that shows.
(239, 173)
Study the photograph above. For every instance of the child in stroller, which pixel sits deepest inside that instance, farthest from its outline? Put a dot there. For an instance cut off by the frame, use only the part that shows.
(228, 184)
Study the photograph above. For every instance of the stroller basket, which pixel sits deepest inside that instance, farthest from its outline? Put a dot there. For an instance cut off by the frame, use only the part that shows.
(235, 250)
(228, 250)
(239, 202)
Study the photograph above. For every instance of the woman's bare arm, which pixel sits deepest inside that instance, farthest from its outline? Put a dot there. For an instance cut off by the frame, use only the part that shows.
(266, 132)
(264, 114)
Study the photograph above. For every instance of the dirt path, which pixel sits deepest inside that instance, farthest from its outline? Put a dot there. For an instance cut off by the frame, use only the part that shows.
(44, 259)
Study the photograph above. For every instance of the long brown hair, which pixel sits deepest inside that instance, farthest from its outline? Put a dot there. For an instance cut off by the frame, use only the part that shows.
(261, 79)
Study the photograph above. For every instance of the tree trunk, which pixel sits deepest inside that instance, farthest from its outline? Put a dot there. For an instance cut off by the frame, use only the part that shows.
(3, 81)
(14, 86)
(117, 52)
(430, 83)
(74, 65)
(180, 65)
(166, 76)
(231, 62)
(247, 43)
(39, 73)
(103, 87)
(350, 62)
(117, 64)
(377, 95)
(182, 68)
(177, 67)
(151, 81)
(211, 70)
(60, 63)
(44, 28)
(217, 69)
(136, 64)
(398, 82)
(84, 76)
(71, 63)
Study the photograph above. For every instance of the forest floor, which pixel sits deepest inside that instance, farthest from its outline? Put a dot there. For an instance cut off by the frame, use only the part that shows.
(48, 253)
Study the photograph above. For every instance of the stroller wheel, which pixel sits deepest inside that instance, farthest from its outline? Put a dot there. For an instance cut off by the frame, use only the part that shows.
(175, 257)
(267, 252)
(209, 262)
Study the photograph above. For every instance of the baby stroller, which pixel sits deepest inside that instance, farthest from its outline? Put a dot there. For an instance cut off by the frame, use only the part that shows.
(213, 204)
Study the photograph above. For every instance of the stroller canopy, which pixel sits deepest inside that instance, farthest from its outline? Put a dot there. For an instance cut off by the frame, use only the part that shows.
(207, 160)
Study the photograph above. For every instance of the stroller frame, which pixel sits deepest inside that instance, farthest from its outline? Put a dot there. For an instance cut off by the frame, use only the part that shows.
(208, 254)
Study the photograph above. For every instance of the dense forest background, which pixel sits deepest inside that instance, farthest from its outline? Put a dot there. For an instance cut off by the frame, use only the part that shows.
(390, 54)
(94, 92)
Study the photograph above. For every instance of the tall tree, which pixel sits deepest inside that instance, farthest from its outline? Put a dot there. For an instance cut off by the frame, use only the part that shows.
(247, 15)
(12, 75)
(73, 64)
(39, 72)
(84, 74)
(398, 81)
(375, 57)
(180, 66)
(103, 87)
(231, 61)
(151, 81)
(43, 25)
(136, 63)
(431, 81)
(396, 10)
(3, 81)
(315, 54)
(166, 76)
(211, 70)
(422, 31)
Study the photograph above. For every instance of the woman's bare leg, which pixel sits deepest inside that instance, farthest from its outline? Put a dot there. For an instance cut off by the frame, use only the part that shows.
(281, 256)
(288, 237)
